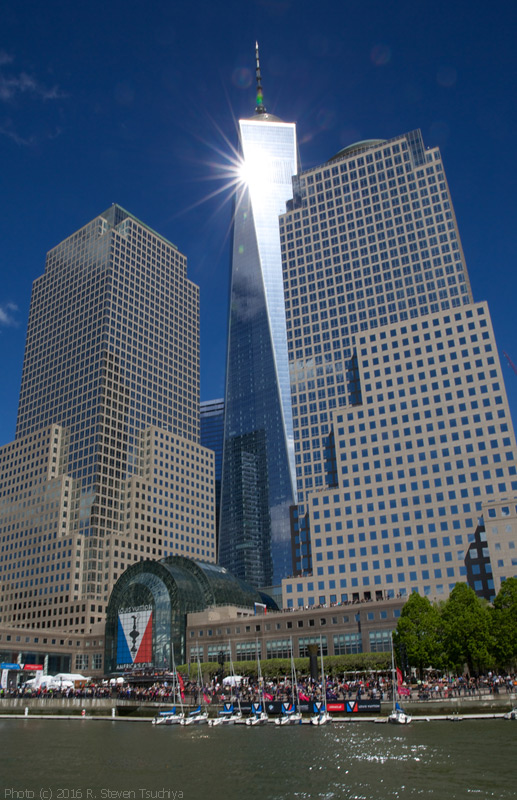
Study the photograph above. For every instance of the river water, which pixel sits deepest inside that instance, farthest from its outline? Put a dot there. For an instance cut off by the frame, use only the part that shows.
(99, 760)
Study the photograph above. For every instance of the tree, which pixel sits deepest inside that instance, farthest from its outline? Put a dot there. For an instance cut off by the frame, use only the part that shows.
(504, 623)
(466, 629)
(418, 632)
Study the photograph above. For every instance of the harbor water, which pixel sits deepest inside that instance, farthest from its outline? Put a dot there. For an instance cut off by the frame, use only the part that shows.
(99, 760)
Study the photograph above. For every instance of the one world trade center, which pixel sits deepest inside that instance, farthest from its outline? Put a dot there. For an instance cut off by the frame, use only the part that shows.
(258, 476)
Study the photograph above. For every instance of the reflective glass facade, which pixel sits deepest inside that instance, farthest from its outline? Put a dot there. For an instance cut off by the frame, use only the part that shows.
(212, 437)
(258, 463)
(167, 590)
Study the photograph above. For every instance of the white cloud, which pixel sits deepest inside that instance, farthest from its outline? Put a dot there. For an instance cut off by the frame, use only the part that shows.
(7, 129)
(7, 315)
(17, 85)
(12, 85)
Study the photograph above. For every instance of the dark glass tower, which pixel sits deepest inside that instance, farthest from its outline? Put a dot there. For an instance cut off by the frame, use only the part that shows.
(212, 436)
(258, 463)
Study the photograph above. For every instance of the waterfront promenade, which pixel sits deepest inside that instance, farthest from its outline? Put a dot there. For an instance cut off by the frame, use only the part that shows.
(483, 704)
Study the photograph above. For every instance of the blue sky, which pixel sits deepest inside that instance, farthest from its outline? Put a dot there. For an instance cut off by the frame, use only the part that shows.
(136, 102)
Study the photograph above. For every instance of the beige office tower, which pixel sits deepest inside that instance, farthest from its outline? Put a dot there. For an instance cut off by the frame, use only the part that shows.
(402, 428)
(106, 468)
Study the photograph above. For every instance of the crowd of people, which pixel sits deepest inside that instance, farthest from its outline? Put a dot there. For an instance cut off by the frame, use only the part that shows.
(377, 687)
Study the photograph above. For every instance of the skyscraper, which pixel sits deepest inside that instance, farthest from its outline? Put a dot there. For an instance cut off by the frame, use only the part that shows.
(258, 462)
(403, 436)
(212, 436)
(106, 468)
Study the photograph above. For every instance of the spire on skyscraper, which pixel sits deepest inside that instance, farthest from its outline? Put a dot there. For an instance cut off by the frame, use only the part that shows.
(260, 107)
(258, 471)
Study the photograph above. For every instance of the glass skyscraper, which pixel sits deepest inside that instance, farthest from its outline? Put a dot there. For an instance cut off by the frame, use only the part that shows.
(258, 463)
(212, 436)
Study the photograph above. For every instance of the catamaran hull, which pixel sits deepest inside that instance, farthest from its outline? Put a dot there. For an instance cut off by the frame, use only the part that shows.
(263, 719)
(225, 720)
(202, 719)
(173, 719)
(321, 719)
(292, 719)
(399, 718)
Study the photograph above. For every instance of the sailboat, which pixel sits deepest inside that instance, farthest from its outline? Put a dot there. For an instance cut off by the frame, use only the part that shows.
(291, 714)
(173, 716)
(398, 716)
(322, 717)
(198, 716)
(258, 710)
(228, 716)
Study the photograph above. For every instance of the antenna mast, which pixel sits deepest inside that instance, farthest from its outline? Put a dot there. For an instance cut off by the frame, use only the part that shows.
(260, 107)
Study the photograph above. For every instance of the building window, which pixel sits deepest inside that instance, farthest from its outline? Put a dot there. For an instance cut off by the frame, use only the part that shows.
(81, 661)
(97, 661)
(347, 643)
(305, 641)
(279, 648)
(215, 649)
(247, 651)
(380, 641)
(196, 652)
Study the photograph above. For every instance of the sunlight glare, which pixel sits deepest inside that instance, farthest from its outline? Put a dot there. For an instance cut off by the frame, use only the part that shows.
(254, 172)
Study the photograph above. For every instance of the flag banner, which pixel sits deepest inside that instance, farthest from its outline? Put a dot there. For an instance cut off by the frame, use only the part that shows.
(272, 707)
(135, 637)
(355, 706)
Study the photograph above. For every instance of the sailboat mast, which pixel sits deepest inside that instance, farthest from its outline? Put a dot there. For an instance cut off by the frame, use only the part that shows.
(232, 670)
(392, 671)
(323, 681)
(293, 680)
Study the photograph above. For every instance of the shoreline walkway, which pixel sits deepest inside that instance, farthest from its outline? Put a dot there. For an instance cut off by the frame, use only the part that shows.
(104, 709)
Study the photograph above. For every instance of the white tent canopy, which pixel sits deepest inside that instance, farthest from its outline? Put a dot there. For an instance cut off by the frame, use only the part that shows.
(63, 680)
(232, 680)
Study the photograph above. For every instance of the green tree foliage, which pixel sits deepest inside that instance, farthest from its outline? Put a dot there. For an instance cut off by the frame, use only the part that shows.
(418, 631)
(504, 624)
(335, 666)
(466, 630)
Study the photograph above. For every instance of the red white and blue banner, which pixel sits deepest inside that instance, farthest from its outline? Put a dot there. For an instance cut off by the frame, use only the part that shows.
(135, 637)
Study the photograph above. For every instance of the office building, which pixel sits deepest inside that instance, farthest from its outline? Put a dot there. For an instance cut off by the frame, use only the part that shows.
(345, 630)
(401, 423)
(106, 468)
(258, 463)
